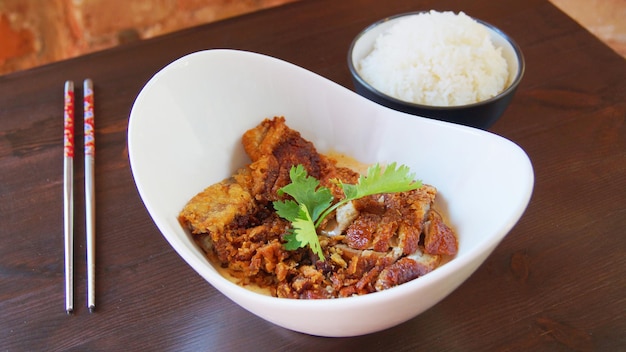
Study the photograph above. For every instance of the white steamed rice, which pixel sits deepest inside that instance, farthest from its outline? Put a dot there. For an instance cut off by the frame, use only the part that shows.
(436, 58)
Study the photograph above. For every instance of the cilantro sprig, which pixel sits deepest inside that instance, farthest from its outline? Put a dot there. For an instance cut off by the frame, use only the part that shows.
(311, 202)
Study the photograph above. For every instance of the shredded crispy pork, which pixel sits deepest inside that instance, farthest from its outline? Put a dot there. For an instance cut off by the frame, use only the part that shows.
(370, 244)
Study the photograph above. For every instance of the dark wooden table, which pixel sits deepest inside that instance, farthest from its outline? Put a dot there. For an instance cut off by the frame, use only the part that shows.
(557, 282)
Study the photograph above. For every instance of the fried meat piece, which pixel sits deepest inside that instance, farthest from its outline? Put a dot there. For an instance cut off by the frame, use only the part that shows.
(216, 207)
(391, 220)
(406, 269)
(275, 148)
(439, 237)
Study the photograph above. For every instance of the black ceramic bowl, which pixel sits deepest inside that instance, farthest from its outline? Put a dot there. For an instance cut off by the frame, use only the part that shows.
(481, 115)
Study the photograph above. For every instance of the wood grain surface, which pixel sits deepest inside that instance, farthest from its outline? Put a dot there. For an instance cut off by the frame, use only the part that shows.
(557, 282)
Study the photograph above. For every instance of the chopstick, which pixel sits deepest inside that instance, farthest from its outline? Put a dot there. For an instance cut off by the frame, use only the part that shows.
(90, 204)
(68, 193)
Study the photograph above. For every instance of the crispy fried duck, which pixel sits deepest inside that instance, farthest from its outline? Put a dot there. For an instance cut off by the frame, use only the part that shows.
(371, 244)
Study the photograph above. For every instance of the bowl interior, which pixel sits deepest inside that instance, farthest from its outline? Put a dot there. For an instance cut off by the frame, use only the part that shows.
(363, 44)
(184, 134)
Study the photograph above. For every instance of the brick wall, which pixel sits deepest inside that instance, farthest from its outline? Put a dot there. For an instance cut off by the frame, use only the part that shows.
(35, 32)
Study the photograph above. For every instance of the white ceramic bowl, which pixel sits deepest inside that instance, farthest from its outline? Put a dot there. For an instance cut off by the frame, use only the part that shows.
(184, 134)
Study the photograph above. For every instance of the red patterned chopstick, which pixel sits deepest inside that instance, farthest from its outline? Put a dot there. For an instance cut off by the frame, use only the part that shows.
(90, 202)
(68, 193)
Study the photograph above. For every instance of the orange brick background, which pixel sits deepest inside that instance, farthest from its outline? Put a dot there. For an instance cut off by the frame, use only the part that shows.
(35, 32)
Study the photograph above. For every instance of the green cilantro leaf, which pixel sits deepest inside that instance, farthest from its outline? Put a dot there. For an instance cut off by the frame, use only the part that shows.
(310, 201)
(287, 210)
(389, 180)
(303, 232)
(306, 190)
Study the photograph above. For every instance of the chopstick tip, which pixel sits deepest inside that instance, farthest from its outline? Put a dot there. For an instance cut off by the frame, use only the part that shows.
(92, 309)
(69, 311)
